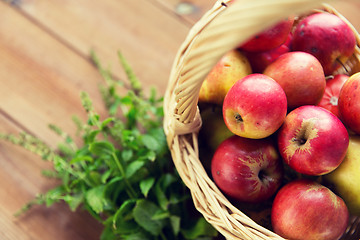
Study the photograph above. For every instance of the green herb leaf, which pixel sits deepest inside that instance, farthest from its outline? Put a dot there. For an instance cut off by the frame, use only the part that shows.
(175, 224)
(161, 214)
(139, 235)
(161, 197)
(150, 142)
(54, 195)
(101, 148)
(105, 176)
(90, 137)
(127, 228)
(95, 199)
(106, 122)
(125, 208)
(108, 234)
(200, 229)
(94, 178)
(146, 185)
(121, 174)
(126, 154)
(74, 200)
(81, 158)
(133, 167)
(143, 214)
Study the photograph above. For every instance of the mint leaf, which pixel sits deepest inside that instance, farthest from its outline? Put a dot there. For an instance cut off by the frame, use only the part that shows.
(101, 148)
(161, 214)
(105, 176)
(143, 214)
(150, 142)
(90, 137)
(124, 209)
(175, 224)
(108, 234)
(121, 173)
(126, 228)
(161, 196)
(139, 235)
(81, 158)
(106, 122)
(54, 195)
(123, 219)
(146, 185)
(74, 200)
(95, 198)
(133, 167)
(94, 178)
(126, 154)
(200, 229)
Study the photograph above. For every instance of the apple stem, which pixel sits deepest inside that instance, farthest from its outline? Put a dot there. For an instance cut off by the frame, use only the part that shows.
(329, 77)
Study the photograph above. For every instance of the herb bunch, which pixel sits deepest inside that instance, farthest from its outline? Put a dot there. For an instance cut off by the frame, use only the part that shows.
(122, 173)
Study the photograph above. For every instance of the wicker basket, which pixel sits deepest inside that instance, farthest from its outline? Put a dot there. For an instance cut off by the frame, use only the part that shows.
(221, 29)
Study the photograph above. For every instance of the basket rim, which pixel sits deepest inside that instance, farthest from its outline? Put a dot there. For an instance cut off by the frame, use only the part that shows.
(181, 132)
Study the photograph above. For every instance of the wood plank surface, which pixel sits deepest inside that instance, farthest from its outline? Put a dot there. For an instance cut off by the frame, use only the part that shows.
(140, 29)
(191, 10)
(42, 77)
(21, 180)
(45, 63)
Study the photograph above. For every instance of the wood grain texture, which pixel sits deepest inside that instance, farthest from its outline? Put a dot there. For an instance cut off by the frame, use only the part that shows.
(21, 180)
(42, 78)
(191, 11)
(45, 63)
(146, 33)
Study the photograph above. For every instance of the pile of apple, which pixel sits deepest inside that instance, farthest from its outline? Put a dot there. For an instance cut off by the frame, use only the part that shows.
(289, 130)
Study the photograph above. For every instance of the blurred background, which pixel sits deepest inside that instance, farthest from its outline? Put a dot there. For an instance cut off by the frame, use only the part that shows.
(44, 64)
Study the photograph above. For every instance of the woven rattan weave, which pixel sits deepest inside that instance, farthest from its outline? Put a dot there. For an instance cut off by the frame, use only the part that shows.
(221, 29)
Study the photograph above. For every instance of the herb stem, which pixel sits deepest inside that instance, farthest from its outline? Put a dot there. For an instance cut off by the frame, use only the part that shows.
(162, 235)
(130, 190)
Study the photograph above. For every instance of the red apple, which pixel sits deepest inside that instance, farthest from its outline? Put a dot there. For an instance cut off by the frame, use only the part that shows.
(301, 76)
(230, 68)
(330, 98)
(254, 107)
(248, 170)
(304, 209)
(349, 103)
(327, 37)
(312, 140)
(260, 60)
(270, 38)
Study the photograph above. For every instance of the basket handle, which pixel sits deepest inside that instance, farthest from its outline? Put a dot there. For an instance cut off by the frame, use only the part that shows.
(221, 29)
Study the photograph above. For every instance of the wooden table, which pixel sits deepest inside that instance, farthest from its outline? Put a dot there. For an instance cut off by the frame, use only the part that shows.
(45, 63)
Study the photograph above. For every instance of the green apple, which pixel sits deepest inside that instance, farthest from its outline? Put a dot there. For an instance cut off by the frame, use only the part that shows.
(231, 67)
(346, 178)
(213, 130)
